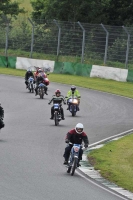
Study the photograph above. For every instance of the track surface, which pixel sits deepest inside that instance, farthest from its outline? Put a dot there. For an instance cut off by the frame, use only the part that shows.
(31, 147)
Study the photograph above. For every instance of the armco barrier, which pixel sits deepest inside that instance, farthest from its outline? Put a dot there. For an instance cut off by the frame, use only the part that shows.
(123, 75)
(130, 76)
(3, 61)
(9, 62)
(72, 68)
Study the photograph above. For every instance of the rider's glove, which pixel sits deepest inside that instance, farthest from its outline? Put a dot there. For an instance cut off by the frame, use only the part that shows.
(86, 145)
(66, 141)
(49, 103)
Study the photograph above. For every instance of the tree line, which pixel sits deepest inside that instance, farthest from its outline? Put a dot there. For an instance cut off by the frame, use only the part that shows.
(109, 12)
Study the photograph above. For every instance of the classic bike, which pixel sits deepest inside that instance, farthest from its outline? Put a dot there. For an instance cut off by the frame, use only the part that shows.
(57, 113)
(73, 158)
(41, 90)
(31, 84)
(73, 105)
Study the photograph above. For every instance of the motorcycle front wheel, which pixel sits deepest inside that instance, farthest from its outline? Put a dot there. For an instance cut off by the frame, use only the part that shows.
(32, 89)
(56, 118)
(73, 111)
(41, 93)
(74, 166)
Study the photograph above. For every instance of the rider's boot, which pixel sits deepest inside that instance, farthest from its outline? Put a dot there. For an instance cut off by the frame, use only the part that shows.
(77, 108)
(36, 93)
(78, 164)
(46, 92)
(65, 162)
(62, 115)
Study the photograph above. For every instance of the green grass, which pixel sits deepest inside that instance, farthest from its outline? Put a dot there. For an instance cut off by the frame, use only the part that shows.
(117, 164)
(115, 161)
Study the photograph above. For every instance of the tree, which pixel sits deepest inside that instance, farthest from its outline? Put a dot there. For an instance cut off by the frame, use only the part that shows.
(9, 9)
(70, 10)
(119, 12)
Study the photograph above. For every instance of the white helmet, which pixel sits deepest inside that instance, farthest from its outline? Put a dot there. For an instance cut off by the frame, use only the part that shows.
(79, 128)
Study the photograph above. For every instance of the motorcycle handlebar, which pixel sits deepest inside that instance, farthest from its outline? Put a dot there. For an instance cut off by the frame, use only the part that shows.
(82, 146)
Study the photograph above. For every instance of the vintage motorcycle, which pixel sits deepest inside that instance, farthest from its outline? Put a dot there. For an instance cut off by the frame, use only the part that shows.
(31, 84)
(41, 90)
(57, 113)
(73, 159)
(73, 105)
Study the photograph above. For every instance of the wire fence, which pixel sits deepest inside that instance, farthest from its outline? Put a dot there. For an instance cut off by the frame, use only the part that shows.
(98, 43)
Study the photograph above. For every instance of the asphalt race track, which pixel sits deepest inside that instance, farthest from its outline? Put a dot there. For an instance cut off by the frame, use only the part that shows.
(31, 146)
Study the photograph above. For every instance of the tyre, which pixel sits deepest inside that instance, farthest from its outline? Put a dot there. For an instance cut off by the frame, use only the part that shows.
(32, 89)
(56, 118)
(41, 93)
(74, 165)
(73, 111)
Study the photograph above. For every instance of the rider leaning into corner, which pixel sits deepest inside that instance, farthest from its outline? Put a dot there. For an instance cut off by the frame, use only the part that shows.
(73, 92)
(1, 117)
(57, 98)
(75, 136)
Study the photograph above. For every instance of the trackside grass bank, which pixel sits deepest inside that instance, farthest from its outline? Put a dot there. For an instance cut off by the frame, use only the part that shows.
(115, 159)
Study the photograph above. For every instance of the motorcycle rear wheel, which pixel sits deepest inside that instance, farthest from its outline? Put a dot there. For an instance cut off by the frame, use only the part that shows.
(32, 89)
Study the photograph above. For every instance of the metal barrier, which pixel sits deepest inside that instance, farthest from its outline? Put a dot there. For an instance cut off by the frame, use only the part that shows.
(83, 41)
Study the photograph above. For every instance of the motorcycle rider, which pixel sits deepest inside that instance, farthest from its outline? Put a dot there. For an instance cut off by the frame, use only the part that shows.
(1, 117)
(38, 70)
(73, 92)
(43, 74)
(75, 136)
(57, 98)
(28, 74)
(38, 81)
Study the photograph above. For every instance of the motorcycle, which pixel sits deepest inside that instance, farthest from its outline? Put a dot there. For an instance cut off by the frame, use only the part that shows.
(2, 124)
(46, 81)
(31, 84)
(73, 105)
(57, 113)
(41, 90)
(73, 158)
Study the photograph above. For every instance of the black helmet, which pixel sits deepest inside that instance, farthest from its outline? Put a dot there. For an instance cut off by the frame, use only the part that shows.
(73, 88)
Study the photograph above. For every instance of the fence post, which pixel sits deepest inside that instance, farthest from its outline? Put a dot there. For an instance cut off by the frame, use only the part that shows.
(59, 36)
(6, 45)
(106, 46)
(128, 43)
(32, 37)
(83, 42)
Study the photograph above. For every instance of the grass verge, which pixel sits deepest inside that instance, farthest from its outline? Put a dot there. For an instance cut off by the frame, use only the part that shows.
(115, 161)
(115, 165)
